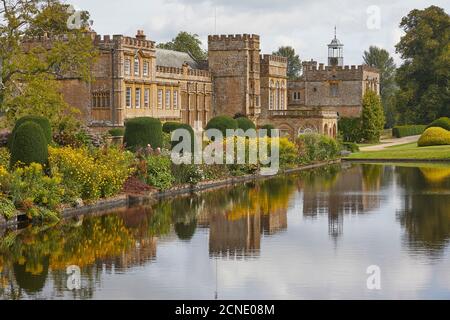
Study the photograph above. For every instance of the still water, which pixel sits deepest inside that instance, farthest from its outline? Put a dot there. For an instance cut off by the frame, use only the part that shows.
(308, 236)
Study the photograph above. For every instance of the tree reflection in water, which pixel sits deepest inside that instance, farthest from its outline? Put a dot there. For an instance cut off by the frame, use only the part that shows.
(33, 261)
(426, 212)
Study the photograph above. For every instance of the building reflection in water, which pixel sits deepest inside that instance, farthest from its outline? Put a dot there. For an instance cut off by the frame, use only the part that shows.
(237, 219)
(336, 193)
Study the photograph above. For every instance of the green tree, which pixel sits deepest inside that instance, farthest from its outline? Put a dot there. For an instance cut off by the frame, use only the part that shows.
(294, 62)
(372, 117)
(29, 69)
(380, 59)
(186, 42)
(424, 77)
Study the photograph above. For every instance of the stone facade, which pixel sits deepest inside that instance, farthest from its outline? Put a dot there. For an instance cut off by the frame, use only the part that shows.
(234, 63)
(133, 78)
(333, 88)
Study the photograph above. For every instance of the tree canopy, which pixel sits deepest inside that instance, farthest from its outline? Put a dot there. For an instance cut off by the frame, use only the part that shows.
(186, 42)
(424, 77)
(381, 59)
(29, 70)
(294, 62)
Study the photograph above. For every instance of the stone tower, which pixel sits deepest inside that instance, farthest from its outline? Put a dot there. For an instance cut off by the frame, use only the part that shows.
(234, 62)
(335, 52)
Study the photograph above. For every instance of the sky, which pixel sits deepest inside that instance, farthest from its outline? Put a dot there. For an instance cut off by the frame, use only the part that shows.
(306, 25)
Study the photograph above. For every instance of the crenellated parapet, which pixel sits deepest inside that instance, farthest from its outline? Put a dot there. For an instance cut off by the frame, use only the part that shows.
(107, 40)
(270, 58)
(233, 42)
(234, 37)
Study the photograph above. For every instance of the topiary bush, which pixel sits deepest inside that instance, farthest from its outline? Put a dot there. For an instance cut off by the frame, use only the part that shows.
(117, 132)
(443, 123)
(191, 132)
(269, 129)
(141, 132)
(434, 136)
(222, 123)
(43, 122)
(29, 145)
(245, 124)
(170, 126)
(408, 130)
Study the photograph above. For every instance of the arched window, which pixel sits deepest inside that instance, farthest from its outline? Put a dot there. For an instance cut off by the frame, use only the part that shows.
(325, 130)
(283, 95)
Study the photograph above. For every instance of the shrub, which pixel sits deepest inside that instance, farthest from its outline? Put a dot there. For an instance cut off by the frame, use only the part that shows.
(188, 173)
(372, 117)
(117, 132)
(29, 145)
(91, 175)
(350, 146)
(159, 174)
(5, 157)
(144, 131)
(316, 147)
(409, 130)
(43, 122)
(245, 124)
(288, 153)
(7, 208)
(351, 129)
(269, 129)
(434, 136)
(32, 191)
(169, 127)
(443, 123)
(222, 123)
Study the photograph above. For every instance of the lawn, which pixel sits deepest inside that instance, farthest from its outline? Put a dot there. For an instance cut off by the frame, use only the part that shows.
(408, 151)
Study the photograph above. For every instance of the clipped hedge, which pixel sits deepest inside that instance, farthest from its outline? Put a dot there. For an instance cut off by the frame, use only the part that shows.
(245, 124)
(408, 130)
(117, 132)
(143, 131)
(170, 126)
(189, 129)
(43, 122)
(434, 137)
(29, 145)
(222, 123)
(443, 123)
(269, 128)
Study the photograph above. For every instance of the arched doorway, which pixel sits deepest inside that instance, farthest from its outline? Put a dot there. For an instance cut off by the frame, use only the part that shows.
(325, 130)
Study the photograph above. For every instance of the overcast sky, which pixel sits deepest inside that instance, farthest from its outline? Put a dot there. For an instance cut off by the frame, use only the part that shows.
(307, 25)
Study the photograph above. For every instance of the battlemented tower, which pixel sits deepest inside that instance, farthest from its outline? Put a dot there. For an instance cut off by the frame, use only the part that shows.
(234, 63)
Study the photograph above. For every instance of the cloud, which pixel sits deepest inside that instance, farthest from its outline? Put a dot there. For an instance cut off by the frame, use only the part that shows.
(306, 25)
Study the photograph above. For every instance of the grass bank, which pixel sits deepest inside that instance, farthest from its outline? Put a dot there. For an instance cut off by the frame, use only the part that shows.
(408, 151)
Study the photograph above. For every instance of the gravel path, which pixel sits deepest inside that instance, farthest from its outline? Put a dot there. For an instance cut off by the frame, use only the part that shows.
(391, 142)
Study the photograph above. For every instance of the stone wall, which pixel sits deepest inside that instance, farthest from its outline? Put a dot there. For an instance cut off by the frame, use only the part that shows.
(235, 68)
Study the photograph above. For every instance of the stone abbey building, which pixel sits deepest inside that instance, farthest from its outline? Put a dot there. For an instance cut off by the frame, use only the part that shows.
(133, 78)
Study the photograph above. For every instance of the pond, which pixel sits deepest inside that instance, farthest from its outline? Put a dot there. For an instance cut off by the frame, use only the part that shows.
(312, 235)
